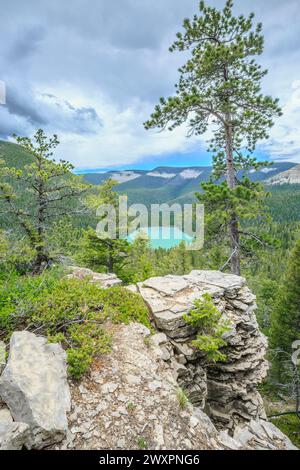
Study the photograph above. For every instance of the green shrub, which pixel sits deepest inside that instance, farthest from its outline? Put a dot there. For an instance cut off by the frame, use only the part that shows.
(87, 340)
(71, 311)
(208, 320)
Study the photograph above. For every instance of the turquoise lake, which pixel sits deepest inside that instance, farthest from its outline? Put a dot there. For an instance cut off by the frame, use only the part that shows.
(161, 237)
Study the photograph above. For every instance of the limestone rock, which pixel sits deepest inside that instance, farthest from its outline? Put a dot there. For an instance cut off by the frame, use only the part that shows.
(103, 280)
(262, 435)
(34, 386)
(228, 390)
(140, 403)
(13, 436)
(5, 416)
(2, 355)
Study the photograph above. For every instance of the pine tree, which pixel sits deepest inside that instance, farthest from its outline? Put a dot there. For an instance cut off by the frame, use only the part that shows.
(51, 192)
(285, 318)
(99, 251)
(220, 87)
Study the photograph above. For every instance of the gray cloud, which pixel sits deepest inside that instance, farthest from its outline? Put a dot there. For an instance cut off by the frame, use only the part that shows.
(68, 69)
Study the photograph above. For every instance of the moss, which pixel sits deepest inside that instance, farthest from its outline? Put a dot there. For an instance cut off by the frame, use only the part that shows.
(182, 398)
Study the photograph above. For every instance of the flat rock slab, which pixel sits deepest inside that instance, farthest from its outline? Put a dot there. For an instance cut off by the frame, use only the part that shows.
(216, 278)
(34, 386)
(103, 280)
(171, 297)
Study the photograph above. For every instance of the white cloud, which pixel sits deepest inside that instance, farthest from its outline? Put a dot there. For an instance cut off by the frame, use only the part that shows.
(112, 59)
(284, 143)
(190, 174)
(166, 176)
(122, 139)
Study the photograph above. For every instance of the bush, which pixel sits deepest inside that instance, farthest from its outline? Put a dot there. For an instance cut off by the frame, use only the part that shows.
(74, 312)
(208, 320)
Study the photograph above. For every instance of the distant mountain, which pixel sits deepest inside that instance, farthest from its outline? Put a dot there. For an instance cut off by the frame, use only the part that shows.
(169, 184)
(291, 176)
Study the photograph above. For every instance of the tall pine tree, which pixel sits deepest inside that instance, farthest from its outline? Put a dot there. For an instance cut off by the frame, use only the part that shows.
(220, 88)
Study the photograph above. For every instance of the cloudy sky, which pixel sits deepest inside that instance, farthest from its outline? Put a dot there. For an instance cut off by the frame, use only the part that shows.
(91, 71)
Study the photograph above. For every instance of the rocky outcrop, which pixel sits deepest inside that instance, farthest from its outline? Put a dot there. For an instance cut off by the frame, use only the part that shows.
(34, 386)
(131, 400)
(102, 280)
(136, 396)
(257, 435)
(226, 391)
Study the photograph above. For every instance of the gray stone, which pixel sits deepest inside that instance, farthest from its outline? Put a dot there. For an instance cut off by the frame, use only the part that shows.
(109, 387)
(168, 285)
(14, 436)
(34, 386)
(103, 280)
(5, 416)
(159, 339)
(2, 355)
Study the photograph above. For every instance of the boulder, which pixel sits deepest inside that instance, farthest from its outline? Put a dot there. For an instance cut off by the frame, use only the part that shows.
(34, 386)
(262, 435)
(14, 436)
(104, 281)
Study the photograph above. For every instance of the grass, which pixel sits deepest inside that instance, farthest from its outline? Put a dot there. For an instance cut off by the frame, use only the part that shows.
(130, 406)
(142, 444)
(181, 398)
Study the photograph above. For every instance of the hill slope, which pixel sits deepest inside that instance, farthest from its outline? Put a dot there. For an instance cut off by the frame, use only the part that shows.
(13, 155)
(291, 176)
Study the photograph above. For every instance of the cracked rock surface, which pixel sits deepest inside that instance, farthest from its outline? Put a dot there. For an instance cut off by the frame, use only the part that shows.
(227, 391)
(130, 401)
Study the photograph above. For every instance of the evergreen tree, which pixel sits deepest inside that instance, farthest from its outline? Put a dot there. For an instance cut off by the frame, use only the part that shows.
(140, 262)
(220, 87)
(285, 318)
(51, 192)
(99, 251)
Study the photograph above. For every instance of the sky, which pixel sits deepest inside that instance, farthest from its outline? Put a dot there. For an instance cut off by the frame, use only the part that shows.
(93, 71)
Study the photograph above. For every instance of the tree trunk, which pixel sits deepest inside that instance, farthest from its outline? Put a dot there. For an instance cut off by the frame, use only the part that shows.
(42, 257)
(234, 224)
(41, 261)
(110, 261)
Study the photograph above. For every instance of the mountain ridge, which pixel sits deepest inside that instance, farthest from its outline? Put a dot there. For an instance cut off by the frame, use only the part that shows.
(172, 184)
